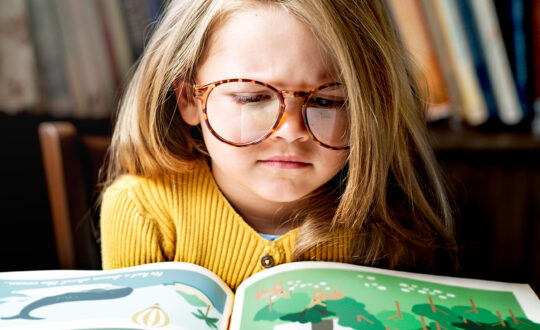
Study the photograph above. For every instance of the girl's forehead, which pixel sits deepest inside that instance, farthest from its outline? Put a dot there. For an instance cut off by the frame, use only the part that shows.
(265, 43)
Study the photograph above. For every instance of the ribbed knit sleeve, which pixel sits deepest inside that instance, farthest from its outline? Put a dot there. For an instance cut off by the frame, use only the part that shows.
(129, 235)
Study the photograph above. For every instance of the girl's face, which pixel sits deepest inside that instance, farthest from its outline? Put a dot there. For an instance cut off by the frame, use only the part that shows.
(270, 45)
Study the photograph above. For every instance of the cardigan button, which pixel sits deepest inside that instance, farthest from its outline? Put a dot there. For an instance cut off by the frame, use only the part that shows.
(267, 261)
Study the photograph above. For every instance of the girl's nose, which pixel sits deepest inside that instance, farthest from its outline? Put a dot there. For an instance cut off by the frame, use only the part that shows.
(291, 127)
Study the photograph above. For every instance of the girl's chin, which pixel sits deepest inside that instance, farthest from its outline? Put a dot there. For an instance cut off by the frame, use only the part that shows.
(281, 195)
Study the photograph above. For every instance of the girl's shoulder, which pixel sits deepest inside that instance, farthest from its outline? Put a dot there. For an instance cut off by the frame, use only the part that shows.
(171, 183)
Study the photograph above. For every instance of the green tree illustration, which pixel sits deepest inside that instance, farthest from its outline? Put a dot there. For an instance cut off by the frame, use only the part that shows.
(280, 307)
(470, 317)
(521, 323)
(210, 321)
(475, 314)
(193, 300)
(353, 314)
(347, 311)
(399, 320)
(480, 318)
(442, 316)
(315, 314)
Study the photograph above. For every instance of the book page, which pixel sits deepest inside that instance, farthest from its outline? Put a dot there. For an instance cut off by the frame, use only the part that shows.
(169, 295)
(340, 296)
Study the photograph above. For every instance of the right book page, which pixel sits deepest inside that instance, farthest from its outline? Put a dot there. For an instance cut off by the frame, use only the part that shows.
(324, 295)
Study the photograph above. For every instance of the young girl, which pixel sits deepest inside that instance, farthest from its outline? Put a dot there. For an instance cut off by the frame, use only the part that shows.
(256, 133)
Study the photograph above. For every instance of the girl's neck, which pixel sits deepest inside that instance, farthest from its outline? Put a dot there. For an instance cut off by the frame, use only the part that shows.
(273, 223)
(264, 216)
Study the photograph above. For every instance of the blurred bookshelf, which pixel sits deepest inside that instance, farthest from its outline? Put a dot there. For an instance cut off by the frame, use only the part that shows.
(479, 61)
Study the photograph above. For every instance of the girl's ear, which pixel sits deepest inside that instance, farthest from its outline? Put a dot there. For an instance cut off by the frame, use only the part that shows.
(187, 104)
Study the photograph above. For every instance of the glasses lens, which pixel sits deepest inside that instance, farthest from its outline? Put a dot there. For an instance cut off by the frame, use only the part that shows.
(242, 112)
(327, 116)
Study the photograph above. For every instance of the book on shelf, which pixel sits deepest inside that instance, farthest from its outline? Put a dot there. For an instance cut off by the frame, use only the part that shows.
(516, 19)
(429, 12)
(87, 69)
(138, 18)
(473, 105)
(414, 31)
(500, 73)
(115, 31)
(478, 55)
(18, 73)
(46, 35)
(536, 48)
(86, 27)
(299, 295)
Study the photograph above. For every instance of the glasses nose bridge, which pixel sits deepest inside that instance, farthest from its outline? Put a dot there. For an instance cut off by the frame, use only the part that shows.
(293, 94)
(297, 105)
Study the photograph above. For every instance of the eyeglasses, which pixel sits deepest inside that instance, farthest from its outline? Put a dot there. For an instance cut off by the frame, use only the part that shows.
(244, 112)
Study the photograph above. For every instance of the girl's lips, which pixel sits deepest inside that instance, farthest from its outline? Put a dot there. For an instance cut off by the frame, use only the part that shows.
(285, 162)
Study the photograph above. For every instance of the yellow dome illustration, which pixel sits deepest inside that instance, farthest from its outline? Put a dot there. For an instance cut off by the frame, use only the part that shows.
(152, 317)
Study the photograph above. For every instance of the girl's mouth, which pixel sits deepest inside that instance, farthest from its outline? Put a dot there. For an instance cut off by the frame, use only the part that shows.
(285, 162)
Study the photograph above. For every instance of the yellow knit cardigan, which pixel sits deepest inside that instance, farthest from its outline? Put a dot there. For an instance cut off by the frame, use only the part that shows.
(187, 218)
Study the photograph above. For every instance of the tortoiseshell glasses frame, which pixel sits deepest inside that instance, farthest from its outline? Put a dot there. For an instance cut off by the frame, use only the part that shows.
(202, 93)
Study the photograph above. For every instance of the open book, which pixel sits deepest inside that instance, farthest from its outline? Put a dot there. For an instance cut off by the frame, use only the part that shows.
(301, 295)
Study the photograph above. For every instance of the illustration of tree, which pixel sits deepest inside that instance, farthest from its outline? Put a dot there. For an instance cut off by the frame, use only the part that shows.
(210, 321)
(470, 317)
(272, 294)
(442, 316)
(318, 316)
(281, 307)
(474, 314)
(399, 320)
(196, 298)
(315, 311)
(353, 314)
(193, 300)
(348, 312)
(480, 318)
(520, 323)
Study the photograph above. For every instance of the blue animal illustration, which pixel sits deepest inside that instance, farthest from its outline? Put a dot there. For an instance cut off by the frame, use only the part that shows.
(94, 294)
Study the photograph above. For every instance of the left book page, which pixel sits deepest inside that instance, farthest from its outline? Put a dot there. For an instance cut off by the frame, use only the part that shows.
(169, 295)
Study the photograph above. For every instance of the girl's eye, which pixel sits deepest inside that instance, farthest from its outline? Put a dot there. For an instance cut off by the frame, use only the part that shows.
(251, 98)
(320, 102)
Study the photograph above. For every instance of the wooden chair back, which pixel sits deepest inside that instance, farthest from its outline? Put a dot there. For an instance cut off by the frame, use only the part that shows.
(71, 162)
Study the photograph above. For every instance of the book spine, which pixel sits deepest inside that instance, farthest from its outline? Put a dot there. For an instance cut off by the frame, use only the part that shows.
(475, 109)
(520, 45)
(73, 60)
(535, 9)
(442, 51)
(109, 47)
(478, 55)
(498, 65)
(536, 45)
(515, 20)
(19, 89)
(414, 31)
(137, 20)
(95, 69)
(118, 34)
(100, 60)
(50, 57)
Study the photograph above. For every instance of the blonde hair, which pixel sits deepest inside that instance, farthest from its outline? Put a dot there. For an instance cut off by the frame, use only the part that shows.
(389, 197)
